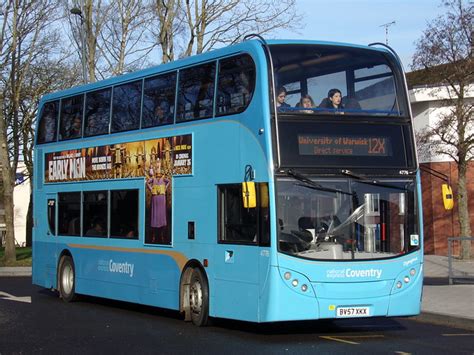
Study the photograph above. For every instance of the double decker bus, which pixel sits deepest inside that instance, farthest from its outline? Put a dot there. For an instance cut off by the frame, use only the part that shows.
(189, 186)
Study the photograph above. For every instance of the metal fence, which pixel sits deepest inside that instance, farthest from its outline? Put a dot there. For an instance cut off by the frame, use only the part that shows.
(460, 270)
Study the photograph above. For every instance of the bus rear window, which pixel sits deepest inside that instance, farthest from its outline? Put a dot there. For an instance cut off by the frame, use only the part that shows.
(71, 117)
(97, 112)
(196, 92)
(126, 106)
(48, 123)
(235, 85)
(158, 100)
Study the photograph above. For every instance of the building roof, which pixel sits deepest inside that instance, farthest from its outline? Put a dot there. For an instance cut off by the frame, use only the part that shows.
(435, 76)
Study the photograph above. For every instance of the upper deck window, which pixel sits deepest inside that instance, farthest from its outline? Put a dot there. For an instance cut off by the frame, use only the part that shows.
(126, 106)
(48, 123)
(321, 79)
(71, 117)
(235, 85)
(97, 112)
(158, 100)
(196, 92)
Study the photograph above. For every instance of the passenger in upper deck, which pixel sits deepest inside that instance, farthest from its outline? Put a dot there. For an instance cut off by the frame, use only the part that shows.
(162, 113)
(307, 102)
(280, 100)
(333, 101)
(75, 128)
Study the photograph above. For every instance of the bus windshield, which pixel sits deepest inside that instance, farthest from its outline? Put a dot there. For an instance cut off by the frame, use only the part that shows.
(318, 79)
(346, 218)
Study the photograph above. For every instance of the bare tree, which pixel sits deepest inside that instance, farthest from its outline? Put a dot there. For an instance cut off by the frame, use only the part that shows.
(444, 52)
(6, 168)
(221, 22)
(124, 41)
(23, 40)
(201, 25)
(117, 35)
(50, 72)
(170, 18)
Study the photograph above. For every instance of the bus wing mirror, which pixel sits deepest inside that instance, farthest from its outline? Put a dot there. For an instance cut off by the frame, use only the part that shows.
(248, 194)
(448, 200)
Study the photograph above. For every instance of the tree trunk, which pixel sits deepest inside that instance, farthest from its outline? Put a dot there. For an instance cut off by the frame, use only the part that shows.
(464, 221)
(10, 254)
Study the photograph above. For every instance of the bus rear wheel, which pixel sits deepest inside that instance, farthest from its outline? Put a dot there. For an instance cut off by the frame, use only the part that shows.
(67, 279)
(199, 298)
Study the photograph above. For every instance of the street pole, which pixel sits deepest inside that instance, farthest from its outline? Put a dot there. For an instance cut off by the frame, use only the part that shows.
(78, 12)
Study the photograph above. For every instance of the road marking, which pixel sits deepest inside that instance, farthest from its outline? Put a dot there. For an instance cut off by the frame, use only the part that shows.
(342, 338)
(402, 353)
(458, 335)
(7, 296)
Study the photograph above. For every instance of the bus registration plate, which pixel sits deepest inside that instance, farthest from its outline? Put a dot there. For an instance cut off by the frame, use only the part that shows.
(356, 311)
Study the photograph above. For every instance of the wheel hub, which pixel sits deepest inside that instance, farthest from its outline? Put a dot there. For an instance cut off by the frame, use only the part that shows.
(195, 297)
(68, 279)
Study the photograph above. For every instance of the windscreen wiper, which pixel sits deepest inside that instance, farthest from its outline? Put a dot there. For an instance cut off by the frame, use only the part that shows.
(365, 180)
(311, 184)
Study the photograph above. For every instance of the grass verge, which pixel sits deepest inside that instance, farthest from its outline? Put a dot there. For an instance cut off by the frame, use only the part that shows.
(23, 257)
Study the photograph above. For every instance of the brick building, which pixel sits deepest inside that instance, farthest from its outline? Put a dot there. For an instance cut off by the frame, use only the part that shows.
(428, 104)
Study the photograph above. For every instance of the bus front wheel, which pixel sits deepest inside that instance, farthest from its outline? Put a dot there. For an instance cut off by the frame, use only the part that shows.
(199, 298)
(66, 279)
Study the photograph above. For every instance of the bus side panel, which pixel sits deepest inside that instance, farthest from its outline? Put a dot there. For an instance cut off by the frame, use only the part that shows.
(43, 265)
(44, 258)
(129, 275)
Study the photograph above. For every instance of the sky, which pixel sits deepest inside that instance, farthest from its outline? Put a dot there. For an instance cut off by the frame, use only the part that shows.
(360, 22)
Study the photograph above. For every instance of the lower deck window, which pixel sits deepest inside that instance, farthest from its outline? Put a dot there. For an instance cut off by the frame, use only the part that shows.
(95, 212)
(101, 214)
(69, 209)
(124, 214)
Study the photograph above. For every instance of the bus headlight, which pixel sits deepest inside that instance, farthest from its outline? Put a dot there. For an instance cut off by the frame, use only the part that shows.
(399, 284)
(406, 279)
(297, 282)
(412, 272)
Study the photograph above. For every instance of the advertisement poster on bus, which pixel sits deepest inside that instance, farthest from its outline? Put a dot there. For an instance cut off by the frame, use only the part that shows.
(154, 160)
(120, 161)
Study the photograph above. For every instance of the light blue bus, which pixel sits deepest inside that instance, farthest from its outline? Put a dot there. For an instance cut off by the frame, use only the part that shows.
(265, 181)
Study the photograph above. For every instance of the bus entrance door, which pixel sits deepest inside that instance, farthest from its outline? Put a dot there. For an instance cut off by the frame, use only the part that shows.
(237, 281)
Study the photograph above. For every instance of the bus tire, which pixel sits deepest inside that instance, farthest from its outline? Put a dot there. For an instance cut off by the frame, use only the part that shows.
(67, 279)
(199, 298)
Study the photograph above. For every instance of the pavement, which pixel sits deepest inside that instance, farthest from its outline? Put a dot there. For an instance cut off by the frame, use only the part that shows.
(444, 304)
